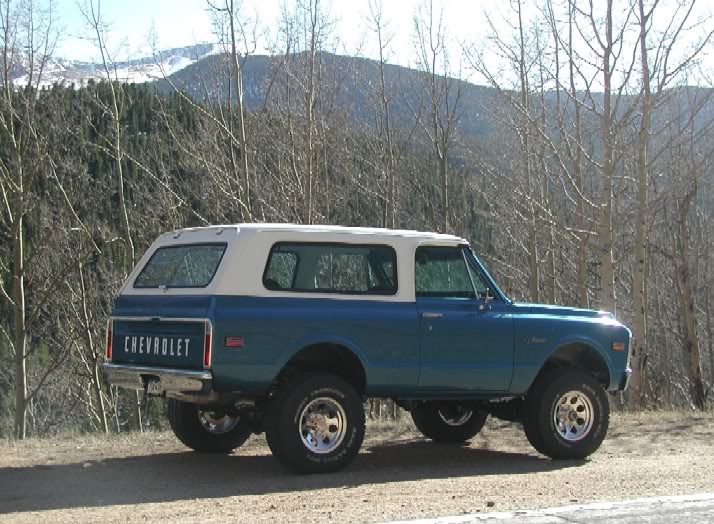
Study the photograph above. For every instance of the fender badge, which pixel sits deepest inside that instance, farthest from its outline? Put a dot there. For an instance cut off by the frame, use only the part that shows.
(533, 340)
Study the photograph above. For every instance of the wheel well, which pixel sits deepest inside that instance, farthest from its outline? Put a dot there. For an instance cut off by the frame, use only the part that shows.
(327, 358)
(581, 356)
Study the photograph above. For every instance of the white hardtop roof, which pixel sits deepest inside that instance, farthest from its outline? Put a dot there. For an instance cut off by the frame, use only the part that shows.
(342, 230)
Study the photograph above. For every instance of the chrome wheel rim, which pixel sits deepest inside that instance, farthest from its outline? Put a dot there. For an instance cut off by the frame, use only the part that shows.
(573, 416)
(217, 422)
(323, 425)
(456, 416)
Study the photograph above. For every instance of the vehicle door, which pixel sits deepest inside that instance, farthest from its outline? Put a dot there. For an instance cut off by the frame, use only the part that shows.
(466, 333)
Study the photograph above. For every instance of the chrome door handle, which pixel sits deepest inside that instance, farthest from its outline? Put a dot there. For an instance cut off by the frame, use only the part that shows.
(431, 315)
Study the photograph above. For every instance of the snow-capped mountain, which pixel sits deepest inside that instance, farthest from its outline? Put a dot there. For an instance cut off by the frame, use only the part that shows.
(140, 70)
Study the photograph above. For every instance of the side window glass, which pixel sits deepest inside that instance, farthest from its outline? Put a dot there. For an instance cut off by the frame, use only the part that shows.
(342, 272)
(281, 271)
(442, 272)
(331, 268)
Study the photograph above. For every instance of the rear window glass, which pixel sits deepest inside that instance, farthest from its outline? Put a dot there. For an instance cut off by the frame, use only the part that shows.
(331, 268)
(191, 265)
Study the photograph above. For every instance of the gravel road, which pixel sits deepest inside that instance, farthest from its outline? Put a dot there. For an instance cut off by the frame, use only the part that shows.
(397, 476)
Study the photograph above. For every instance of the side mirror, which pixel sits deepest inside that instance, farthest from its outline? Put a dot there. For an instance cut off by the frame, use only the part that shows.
(486, 306)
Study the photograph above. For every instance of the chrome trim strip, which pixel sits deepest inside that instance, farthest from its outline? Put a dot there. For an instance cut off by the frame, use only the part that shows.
(150, 370)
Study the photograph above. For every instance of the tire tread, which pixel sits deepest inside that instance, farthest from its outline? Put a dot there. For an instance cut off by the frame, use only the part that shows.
(183, 420)
(539, 428)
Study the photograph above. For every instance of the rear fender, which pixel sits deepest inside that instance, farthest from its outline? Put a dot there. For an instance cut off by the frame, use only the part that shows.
(318, 340)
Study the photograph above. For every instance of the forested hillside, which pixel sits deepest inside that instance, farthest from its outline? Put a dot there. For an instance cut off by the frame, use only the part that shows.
(582, 175)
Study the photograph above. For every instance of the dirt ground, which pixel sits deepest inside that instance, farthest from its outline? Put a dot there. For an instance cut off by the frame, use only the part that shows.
(398, 475)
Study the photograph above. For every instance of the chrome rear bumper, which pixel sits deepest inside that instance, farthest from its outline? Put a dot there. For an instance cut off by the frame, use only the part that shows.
(173, 382)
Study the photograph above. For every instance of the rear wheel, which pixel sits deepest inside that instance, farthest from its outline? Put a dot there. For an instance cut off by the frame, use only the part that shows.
(448, 422)
(208, 429)
(315, 423)
(566, 414)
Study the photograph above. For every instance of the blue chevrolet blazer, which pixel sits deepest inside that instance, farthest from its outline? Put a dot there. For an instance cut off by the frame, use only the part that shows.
(287, 329)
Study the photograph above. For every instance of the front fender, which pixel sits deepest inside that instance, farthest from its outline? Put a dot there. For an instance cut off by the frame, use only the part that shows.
(531, 355)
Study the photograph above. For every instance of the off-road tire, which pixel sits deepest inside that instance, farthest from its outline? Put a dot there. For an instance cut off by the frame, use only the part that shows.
(542, 403)
(286, 417)
(186, 425)
(428, 419)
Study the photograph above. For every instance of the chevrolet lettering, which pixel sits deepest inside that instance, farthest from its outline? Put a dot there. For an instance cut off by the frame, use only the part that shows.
(286, 330)
(157, 346)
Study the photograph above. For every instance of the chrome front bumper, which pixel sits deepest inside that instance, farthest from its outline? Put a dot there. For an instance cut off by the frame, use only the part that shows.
(173, 382)
(625, 380)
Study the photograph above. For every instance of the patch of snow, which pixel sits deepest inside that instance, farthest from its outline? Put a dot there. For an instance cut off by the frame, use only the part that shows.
(137, 71)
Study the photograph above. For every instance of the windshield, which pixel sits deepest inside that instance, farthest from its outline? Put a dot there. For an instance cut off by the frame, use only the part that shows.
(190, 265)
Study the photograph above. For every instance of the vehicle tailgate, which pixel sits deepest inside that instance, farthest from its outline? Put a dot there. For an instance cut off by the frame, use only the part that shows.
(163, 331)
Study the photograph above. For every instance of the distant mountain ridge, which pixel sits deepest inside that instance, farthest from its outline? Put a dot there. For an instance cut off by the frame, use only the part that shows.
(351, 82)
(358, 80)
(199, 70)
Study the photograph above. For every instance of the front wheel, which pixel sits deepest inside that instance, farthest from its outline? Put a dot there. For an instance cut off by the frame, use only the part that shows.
(208, 429)
(315, 423)
(566, 415)
(448, 422)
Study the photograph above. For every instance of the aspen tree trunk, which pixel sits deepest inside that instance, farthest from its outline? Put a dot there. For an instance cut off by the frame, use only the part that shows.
(25, 34)
(639, 322)
(13, 139)
(310, 117)
(242, 141)
(581, 258)
(550, 280)
(444, 95)
(551, 268)
(710, 331)
(444, 171)
(692, 356)
(388, 218)
(533, 273)
(391, 186)
(130, 253)
(95, 20)
(607, 268)
(708, 311)
(94, 355)
(20, 339)
(97, 387)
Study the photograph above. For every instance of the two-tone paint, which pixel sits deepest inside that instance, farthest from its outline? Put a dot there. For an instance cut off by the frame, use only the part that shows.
(409, 347)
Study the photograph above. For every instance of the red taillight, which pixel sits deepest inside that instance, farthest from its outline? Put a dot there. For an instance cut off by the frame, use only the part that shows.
(109, 340)
(207, 348)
